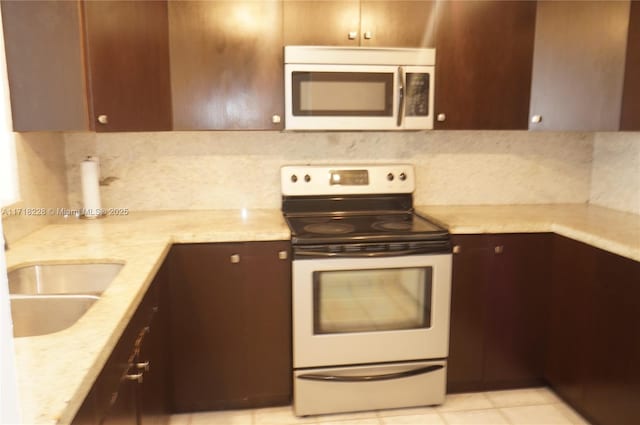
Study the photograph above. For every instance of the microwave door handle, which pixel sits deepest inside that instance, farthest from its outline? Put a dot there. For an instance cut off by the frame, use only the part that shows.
(400, 96)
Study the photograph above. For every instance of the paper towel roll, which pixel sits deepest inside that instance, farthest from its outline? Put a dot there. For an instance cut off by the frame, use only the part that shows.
(90, 175)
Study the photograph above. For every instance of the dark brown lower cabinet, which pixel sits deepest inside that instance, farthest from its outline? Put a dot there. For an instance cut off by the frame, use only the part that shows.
(498, 311)
(230, 325)
(593, 351)
(132, 387)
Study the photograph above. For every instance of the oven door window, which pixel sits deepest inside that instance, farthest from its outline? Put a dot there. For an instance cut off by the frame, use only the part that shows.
(372, 300)
(364, 94)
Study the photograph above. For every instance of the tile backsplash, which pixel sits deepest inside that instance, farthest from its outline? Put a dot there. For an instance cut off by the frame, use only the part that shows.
(615, 178)
(203, 170)
(42, 181)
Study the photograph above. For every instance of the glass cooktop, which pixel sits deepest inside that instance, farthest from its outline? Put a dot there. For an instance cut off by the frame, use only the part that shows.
(370, 227)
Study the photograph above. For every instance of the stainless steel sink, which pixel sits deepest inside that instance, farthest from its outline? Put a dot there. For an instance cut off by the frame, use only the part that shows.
(47, 298)
(91, 278)
(44, 314)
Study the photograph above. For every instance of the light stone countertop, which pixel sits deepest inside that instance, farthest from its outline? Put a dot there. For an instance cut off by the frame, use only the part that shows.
(56, 371)
(607, 229)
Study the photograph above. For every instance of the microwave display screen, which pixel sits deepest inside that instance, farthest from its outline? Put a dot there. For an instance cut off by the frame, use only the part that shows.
(342, 93)
(417, 102)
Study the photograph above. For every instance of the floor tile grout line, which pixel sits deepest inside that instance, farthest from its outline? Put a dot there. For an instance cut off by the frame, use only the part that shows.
(504, 416)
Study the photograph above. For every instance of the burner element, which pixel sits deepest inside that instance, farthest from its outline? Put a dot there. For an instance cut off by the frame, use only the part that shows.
(329, 228)
(392, 225)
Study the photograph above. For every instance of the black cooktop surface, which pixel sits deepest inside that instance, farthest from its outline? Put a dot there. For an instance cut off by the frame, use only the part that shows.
(370, 227)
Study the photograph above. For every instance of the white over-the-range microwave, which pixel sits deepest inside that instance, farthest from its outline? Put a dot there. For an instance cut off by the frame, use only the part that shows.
(358, 88)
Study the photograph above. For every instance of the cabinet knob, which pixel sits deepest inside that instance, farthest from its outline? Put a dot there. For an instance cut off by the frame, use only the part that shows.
(103, 119)
(283, 255)
(536, 119)
(498, 249)
(276, 119)
(235, 259)
(368, 35)
(352, 35)
(441, 117)
(457, 249)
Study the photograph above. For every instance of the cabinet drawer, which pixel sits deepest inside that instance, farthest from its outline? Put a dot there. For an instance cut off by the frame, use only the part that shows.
(419, 389)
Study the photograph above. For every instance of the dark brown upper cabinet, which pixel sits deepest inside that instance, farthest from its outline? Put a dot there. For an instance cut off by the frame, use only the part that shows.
(128, 64)
(630, 118)
(100, 66)
(226, 65)
(360, 23)
(578, 65)
(484, 54)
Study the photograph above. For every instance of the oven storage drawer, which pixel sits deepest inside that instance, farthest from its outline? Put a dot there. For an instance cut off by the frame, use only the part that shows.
(343, 389)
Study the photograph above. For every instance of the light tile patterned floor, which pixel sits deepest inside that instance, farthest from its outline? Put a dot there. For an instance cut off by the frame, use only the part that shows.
(530, 406)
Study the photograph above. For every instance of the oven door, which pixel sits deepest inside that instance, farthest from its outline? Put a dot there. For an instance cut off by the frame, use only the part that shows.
(370, 310)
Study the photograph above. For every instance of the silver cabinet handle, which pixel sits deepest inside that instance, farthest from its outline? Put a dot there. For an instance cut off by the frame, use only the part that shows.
(283, 255)
(143, 366)
(352, 35)
(498, 249)
(400, 95)
(235, 259)
(134, 377)
(276, 119)
(441, 117)
(368, 35)
(536, 119)
(457, 249)
(103, 119)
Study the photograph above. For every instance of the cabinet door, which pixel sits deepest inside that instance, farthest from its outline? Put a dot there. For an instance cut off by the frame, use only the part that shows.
(43, 42)
(578, 65)
(128, 64)
(397, 23)
(630, 119)
(483, 64)
(471, 265)
(612, 391)
(268, 322)
(208, 327)
(154, 352)
(321, 23)
(226, 64)
(570, 318)
(125, 409)
(517, 316)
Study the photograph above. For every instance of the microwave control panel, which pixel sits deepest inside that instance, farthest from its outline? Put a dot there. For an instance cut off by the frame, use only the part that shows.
(417, 94)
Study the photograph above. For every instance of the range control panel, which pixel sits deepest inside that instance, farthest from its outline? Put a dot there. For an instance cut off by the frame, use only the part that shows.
(303, 180)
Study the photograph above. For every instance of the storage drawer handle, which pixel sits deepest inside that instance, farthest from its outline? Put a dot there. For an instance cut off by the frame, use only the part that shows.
(368, 378)
(143, 366)
(134, 377)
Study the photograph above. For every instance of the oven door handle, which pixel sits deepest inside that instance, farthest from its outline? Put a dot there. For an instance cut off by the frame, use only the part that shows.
(363, 254)
(370, 378)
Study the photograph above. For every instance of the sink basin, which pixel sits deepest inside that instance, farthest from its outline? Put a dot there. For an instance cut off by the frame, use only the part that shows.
(49, 279)
(47, 298)
(44, 314)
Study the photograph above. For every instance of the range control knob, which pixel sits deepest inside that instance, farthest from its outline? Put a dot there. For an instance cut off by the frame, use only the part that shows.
(390, 177)
(294, 178)
(307, 178)
(402, 176)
